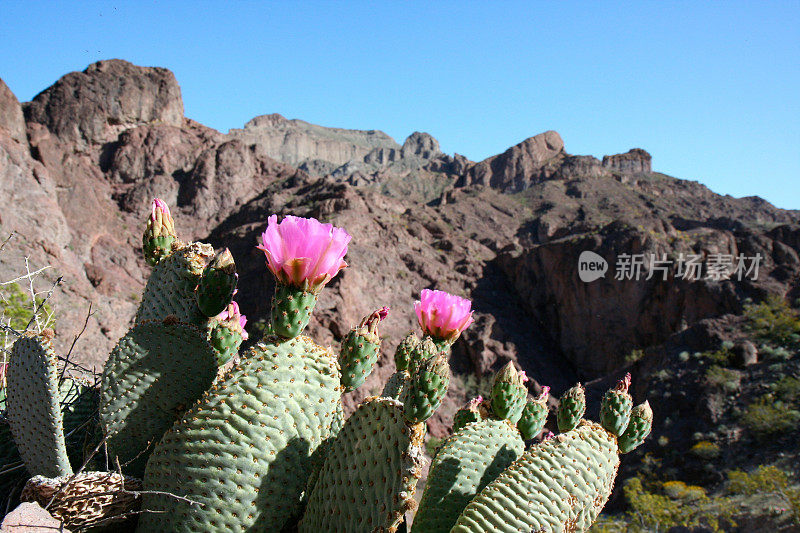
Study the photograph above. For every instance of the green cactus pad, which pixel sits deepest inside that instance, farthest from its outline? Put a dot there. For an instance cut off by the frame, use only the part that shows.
(560, 484)
(225, 340)
(395, 385)
(534, 416)
(465, 463)
(217, 285)
(34, 405)
(426, 389)
(244, 451)
(638, 428)
(291, 310)
(152, 375)
(468, 414)
(571, 407)
(170, 289)
(508, 394)
(615, 410)
(367, 482)
(359, 353)
(404, 351)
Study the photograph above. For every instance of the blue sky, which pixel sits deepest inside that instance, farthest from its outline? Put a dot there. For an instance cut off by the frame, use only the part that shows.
(710, 89)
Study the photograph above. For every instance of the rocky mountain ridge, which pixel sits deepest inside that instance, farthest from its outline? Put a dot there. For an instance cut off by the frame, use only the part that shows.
(81, 162)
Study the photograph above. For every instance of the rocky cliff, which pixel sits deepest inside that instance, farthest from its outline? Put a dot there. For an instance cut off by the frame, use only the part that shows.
(80, 163)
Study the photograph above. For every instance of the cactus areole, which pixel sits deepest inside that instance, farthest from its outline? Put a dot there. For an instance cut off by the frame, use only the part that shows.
(304, 255)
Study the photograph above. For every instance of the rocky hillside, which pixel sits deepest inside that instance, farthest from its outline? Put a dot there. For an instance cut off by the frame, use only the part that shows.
(81, 162)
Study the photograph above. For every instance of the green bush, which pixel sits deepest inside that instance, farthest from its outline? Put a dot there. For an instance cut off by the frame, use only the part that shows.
(767, 416)
(705, 450)
(723, 378)
(787, 389)
(773, 320)
(16, 308)
(690, 507)
(766, 480)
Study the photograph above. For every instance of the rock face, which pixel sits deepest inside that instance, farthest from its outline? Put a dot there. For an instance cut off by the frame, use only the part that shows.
(295, 142)
(518, 167)
(11, 117)
(635, 161)
(98, 145)
(96, 105)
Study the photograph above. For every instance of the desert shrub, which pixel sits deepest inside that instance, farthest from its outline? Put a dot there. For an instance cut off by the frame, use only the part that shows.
(690, 508)
(774, 320)
(705, 450)
(633, 356)
(723, 378)
(474, 386)
(787, 389)
(767, 416)
(766, 479)
(16, 309)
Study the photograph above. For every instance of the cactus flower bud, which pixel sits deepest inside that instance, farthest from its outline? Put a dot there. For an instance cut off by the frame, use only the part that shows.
(443, 316)
(217, 285)
(571, 407)
(468, 414)
(508, 393)
(159, 233)
(404, 351)
(228, 333)
(638, 428)
(615, 409)
(360, 349)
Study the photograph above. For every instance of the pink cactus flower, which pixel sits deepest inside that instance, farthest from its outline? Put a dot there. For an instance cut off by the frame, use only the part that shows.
(442, 315)
(232, 312)
(524, 376)
(544, 394)
(303, 252)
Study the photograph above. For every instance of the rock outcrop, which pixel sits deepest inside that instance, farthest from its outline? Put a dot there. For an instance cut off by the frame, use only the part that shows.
(635, 161)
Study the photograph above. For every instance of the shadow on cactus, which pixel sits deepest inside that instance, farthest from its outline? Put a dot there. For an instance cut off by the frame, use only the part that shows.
(263, 445)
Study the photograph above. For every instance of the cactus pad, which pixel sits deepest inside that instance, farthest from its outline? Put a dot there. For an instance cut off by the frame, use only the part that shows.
(217, 285)
(34, 405)
(638, 428)
(368, 479)
(571, 407)
(465, 463)
(468, 414)
(508, 393)
(153, 373)
(615, 410)
(291, 310)
(244, 451)
(534, 416)
(360, 349)
(170, 289)
(404, 351)
(395, 385)
(560, 484)
(426, 388)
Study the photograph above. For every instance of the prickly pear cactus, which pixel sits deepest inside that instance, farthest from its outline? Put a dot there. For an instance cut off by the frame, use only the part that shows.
(560, 484)
(508, 393)
(427, 387)
(638, 428)
(368, 479)
(217, 285)
(360, 349)
(571, 407)
(152, 375)
(468, 414)
(34, 405)
(615, 410)
(291, 310)
(244, 451)
(534, 416)
(465, 463)
(170, 290)
(404, 351)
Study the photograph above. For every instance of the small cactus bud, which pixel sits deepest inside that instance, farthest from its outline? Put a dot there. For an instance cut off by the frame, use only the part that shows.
(427, 388)
(508, 393)
(227, 334)
(534, 415)
(638, 428)
(360, 349)
(571, 408)
(159, 233)
(404, 351)
(218, 284)
(468, 414)
(615, 409)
